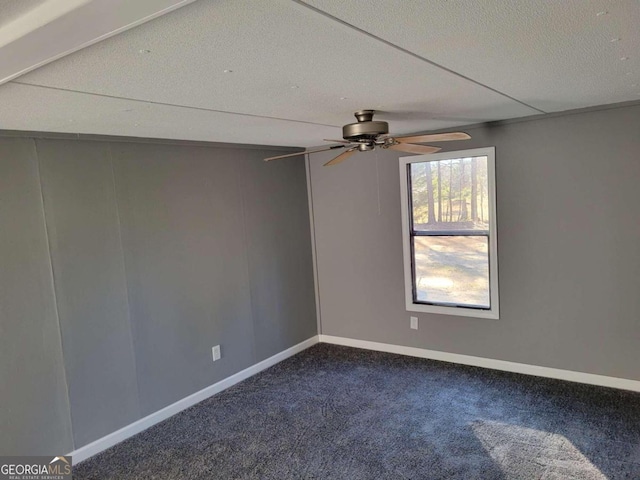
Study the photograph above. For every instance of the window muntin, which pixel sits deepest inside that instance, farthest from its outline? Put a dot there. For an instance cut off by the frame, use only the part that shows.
(449, 233)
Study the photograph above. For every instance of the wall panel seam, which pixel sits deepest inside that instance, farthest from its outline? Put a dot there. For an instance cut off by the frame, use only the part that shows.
(54, 290)
(314, 253)
(245, 255)
(126, 280)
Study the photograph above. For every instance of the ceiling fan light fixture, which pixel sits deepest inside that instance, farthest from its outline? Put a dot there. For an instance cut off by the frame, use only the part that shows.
(366, 146)
(367, 134)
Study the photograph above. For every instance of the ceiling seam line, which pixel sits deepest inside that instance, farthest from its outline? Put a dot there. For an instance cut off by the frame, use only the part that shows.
(415, 55)
(151, 102)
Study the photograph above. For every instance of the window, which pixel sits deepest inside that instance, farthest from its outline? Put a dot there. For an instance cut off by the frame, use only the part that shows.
(449, 233)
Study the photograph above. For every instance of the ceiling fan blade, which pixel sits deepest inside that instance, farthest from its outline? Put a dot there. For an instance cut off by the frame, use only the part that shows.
(336, 141)
(332, 147)
(341, 158)
(436, 137)
(411, 148)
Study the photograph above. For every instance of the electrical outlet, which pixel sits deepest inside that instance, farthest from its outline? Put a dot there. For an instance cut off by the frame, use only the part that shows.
(216, 352)
(414, 322)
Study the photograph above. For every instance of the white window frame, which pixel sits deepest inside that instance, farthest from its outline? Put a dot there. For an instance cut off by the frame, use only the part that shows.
(494, 311)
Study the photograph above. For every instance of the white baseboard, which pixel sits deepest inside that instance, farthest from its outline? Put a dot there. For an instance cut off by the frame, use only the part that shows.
(579, 377)
(138, 426)
(118, 436)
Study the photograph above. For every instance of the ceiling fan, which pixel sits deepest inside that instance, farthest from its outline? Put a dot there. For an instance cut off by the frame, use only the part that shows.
(367, 134)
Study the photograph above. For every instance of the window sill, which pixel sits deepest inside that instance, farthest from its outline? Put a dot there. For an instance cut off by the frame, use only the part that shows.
(492, 314)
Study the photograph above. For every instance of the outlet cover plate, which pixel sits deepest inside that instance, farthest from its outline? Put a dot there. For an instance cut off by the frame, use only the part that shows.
(216, 352)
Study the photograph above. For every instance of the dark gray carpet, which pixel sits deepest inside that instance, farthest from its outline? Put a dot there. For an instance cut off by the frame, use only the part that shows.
(342, 413)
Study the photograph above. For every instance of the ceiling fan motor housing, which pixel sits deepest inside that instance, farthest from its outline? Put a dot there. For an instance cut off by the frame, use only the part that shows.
(366, 130)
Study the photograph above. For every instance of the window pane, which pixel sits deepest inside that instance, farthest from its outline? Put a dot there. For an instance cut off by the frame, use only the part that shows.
(452, 269)
(450, 194)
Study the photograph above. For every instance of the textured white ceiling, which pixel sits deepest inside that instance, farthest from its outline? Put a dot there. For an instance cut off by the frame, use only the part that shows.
(37, 33)
(552, 54)
(12, 9)
(71, 112)
(298, 74)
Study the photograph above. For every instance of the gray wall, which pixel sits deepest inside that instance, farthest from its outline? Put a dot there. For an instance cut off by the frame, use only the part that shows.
(568, 239)
(34, 416)
(123, 263)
